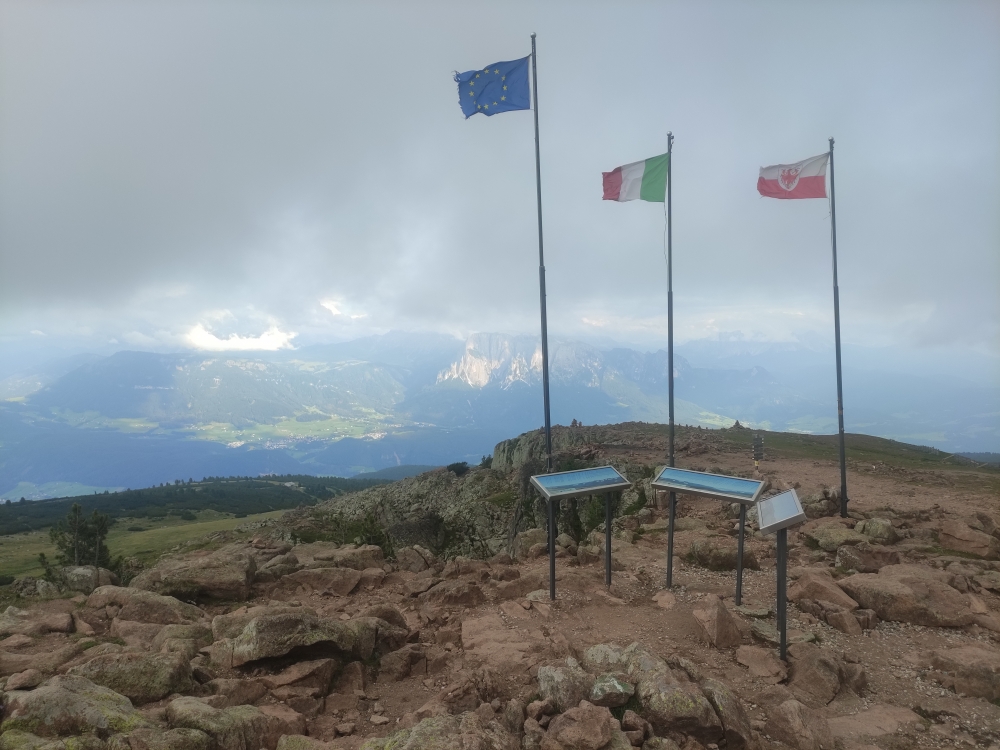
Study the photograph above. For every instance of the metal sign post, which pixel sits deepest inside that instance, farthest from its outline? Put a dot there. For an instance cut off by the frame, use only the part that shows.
(776, 514)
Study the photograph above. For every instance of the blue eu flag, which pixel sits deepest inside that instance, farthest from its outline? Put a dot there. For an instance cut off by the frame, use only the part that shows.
(500, 87)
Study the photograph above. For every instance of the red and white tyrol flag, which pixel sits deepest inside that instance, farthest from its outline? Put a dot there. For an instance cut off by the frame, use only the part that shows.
(806, 179)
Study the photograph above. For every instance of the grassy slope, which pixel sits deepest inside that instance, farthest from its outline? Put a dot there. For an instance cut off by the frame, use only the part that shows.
(19, 552)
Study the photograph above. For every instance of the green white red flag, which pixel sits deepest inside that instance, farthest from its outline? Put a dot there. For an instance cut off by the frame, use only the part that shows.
(644, 180)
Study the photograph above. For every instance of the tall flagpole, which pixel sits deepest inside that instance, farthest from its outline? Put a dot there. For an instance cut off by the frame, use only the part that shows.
(672, 498)
(541, 269)
(836, 330)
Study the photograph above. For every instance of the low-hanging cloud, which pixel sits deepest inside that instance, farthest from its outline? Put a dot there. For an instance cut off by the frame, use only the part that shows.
(270, 340)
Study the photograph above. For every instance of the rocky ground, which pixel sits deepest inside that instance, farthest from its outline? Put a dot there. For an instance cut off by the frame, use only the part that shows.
(275, 642)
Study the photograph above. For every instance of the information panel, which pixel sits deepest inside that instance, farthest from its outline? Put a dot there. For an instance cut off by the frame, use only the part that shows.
(779, 512)
(569, 484)
(718, 486)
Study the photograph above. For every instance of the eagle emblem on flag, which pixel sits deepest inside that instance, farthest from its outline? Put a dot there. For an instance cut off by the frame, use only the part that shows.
(789, 178)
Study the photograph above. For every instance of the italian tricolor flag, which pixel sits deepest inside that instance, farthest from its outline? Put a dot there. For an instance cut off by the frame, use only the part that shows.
(642, 180)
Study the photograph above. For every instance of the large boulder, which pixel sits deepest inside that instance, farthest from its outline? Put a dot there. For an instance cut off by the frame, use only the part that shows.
(337, 581)
(878, 530)
(583, 727)
(69, 705)
(832, 534)
(910, 593)
(234, 728)
(273, 635)
(800, 727)
(865, 558)
(819, 585)
(958, 536)
(720, 553)
(718, 625)
(454, 593)
(136, 605)
(354, 556)
(972, 670)
(14, 621)
(140, 677)
(232, 624)
(817, 675)
(735, 722)
(222, 575)
(565, 686)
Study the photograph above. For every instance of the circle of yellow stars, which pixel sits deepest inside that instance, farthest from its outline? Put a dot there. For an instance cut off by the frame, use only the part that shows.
(486, 72)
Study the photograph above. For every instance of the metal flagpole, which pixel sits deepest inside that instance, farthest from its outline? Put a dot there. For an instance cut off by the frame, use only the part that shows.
(545, 326)
(672, 498)
(836, 329)
(541, 269)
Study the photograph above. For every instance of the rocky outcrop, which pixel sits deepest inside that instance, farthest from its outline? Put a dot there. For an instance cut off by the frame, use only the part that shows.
(971, 670)
(336, 581)
(83, 580)
(564, 686)
(269, 636)
(136, 605)
(878, 530)
(222, 575)
(910, 593)
(818, 584)
(14, 621)
(960, 537)
(817, 675)
(865, 557)
(800, 727)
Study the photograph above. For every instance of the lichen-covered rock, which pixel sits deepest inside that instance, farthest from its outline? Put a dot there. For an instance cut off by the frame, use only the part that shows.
(565, 686)
(221, 575)
(879, 530)
(829, 536)
(136, 605)
(69, 705)
(199, 633)
(140, 677)
(82, 579)
(235, 728)
(17, 740)
(169, 739)
(300, 742)
(447, 732)
(611, 690)
(865, 558)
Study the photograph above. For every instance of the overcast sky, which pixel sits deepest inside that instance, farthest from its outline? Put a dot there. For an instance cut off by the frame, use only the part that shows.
(176, 173)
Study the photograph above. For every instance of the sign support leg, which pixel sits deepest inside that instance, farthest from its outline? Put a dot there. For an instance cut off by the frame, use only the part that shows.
(739, 555)
(782, 601)
(672, 513)
(552, 549)
(607, 539)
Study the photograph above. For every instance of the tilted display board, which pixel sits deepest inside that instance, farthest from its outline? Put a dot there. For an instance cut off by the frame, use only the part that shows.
(717, 486)
(779, 512)
(565, 485)
(714, 486)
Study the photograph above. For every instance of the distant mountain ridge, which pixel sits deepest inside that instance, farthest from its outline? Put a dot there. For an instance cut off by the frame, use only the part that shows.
(382, 401)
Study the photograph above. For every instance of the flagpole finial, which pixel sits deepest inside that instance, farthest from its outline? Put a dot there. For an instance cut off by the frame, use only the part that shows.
(831, 141)
(532, 34)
